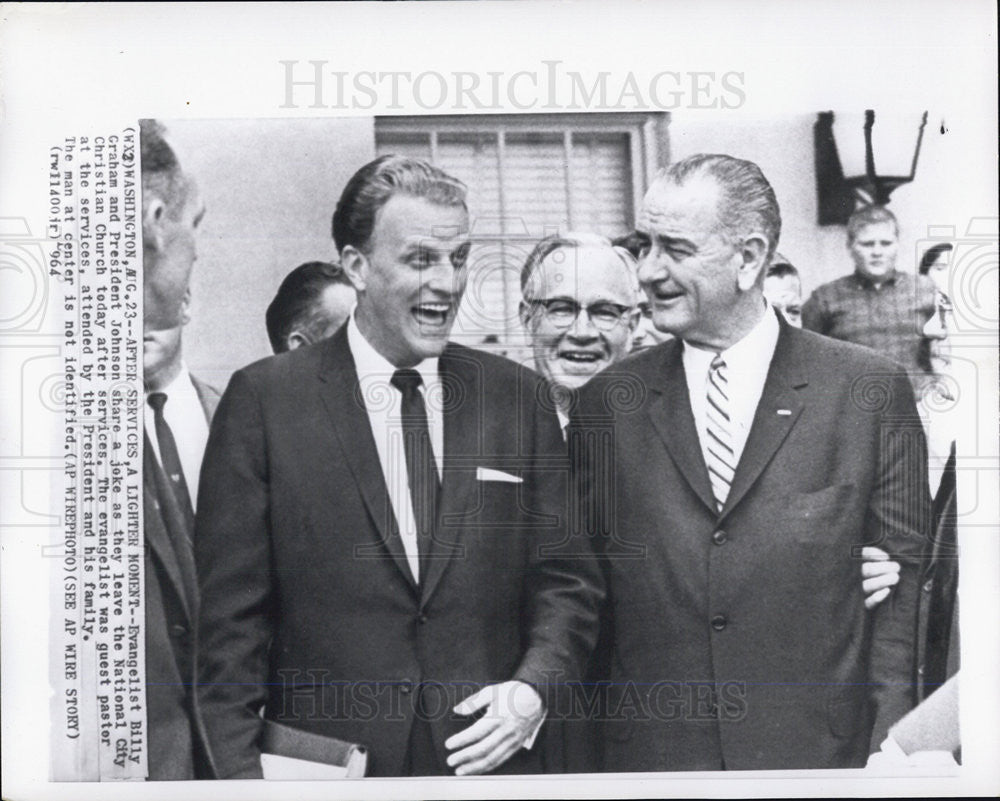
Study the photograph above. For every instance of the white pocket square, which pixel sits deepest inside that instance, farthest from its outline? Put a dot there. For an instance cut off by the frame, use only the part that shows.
(488, 474)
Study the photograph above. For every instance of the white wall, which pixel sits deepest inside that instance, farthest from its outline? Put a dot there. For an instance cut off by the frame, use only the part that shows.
(270, 187)
(783, 148)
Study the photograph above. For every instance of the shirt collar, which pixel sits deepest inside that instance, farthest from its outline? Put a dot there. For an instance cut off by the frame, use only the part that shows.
(369, 362)
(755, 348)
(866, 283)
(181, 385)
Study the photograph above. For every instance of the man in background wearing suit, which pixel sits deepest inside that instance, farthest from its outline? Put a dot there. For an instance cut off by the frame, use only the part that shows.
(730, 479)
(783, 289)
(379, 522)
(580, 308)
(313, 301)
(177, 413)
(579, 297)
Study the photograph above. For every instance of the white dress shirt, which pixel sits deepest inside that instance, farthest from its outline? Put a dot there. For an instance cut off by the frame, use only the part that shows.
(382, 402)
(563, 422)
(747, 363)
(185, 415)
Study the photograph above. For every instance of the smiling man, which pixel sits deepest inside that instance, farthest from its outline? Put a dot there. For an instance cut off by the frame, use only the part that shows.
(374, 521)
(730, 495)
(579, 299)
(877, 306)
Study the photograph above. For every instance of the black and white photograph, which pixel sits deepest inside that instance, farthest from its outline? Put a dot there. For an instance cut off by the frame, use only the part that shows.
(556, 423)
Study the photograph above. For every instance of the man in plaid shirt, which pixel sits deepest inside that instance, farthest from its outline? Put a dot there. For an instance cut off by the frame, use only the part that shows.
(877, 305)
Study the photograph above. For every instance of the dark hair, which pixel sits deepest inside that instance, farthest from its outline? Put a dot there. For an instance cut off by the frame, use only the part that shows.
(870, 215)
(932, 254)
(371, 187)
(297, 298)
(162, 177)
(632, 242)
(780, 267)
(747, 203)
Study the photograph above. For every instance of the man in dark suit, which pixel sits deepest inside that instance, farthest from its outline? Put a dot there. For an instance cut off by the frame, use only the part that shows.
(313, 301)
(730, 479)
(377, 519)
(177, 413)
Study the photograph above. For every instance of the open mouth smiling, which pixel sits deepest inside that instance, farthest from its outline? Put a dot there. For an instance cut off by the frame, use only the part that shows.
(580, 356)
(432, 314)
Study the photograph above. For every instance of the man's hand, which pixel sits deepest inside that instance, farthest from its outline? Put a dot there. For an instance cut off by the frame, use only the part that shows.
(879, 575)
(513, 712)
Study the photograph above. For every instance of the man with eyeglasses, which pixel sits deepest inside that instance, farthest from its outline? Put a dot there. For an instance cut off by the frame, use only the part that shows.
(579, 296)
(579, 306)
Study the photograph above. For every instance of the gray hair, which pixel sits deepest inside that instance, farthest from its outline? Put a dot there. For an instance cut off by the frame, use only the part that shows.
(574, 239)
(747, 203)
(162, 176)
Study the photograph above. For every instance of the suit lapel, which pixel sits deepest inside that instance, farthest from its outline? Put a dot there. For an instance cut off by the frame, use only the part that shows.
(463, 430)
(670, 410)
(777, 412)
(344, 403)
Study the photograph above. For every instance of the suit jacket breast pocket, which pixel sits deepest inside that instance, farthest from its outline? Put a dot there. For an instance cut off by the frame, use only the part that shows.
(499, 501)
(812, 516)
(484, 504)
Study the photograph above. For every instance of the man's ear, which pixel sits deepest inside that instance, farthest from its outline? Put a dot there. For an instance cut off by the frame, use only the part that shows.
(524, 313)
(153, 217)
(354, 263)
(296, 339)
(633, 320)
(754, 257)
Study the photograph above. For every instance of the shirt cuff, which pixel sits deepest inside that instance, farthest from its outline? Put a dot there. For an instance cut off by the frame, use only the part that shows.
(892, 749)
(529, 741)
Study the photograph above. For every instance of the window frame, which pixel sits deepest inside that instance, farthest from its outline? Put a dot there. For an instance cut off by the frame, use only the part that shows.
(642, 130)
(647, 151)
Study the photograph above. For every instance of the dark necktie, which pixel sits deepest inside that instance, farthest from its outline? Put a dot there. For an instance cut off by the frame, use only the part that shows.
(421, 470)
(171, 461)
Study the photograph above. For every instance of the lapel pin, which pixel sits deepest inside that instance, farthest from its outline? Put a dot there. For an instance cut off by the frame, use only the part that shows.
(784, 412)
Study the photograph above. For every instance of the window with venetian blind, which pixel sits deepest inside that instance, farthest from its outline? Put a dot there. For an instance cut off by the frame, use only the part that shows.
(528, 177)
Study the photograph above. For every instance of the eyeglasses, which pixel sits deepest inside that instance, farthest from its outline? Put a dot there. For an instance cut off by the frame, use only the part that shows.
(562, 313)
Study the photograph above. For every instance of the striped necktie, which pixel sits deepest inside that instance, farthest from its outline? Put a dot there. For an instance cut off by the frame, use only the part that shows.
(720, 456)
